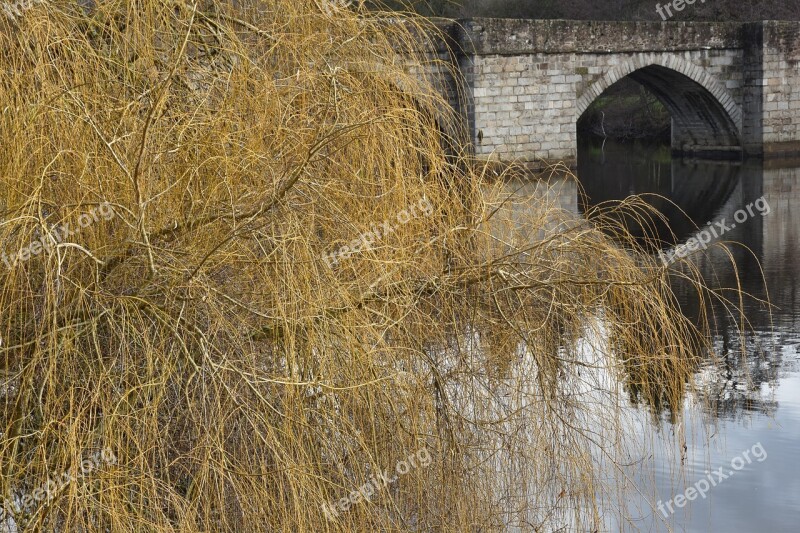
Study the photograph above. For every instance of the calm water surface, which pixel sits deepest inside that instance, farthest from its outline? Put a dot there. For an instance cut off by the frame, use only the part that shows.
(741, 402)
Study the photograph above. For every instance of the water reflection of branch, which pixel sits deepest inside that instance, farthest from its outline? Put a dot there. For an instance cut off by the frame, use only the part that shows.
(734, 386)
(605, 138)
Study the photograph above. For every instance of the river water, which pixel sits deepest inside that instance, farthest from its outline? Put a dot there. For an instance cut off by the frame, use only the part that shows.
(744, 415)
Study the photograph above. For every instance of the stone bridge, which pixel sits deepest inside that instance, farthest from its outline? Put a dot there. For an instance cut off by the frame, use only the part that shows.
(732, 89)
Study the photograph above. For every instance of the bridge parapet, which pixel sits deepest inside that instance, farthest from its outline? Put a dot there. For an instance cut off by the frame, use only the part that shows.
(486, 36)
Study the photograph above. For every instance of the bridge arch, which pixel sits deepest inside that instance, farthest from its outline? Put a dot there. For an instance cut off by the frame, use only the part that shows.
(704, 115)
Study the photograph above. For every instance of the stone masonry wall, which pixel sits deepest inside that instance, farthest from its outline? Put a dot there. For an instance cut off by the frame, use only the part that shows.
(781, 82)
(527, 106)
(526, 82)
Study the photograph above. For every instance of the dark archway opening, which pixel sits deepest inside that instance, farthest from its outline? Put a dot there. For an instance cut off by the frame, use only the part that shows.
(634, 139)
(638, 103)
(627, 111)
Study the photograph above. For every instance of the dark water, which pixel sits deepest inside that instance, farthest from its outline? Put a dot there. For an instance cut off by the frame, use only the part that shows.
(746, 410)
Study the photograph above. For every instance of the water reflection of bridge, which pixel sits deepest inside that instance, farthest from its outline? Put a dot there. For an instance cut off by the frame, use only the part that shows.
(704, 191)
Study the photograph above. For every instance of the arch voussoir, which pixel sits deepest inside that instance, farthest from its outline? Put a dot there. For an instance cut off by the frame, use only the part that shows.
(671, 61)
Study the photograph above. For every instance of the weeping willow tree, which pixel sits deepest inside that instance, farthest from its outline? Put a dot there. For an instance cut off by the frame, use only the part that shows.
(244, 259)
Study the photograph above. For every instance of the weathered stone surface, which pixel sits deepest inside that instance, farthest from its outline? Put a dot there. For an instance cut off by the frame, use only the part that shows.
(516, 37)
(522, 85)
